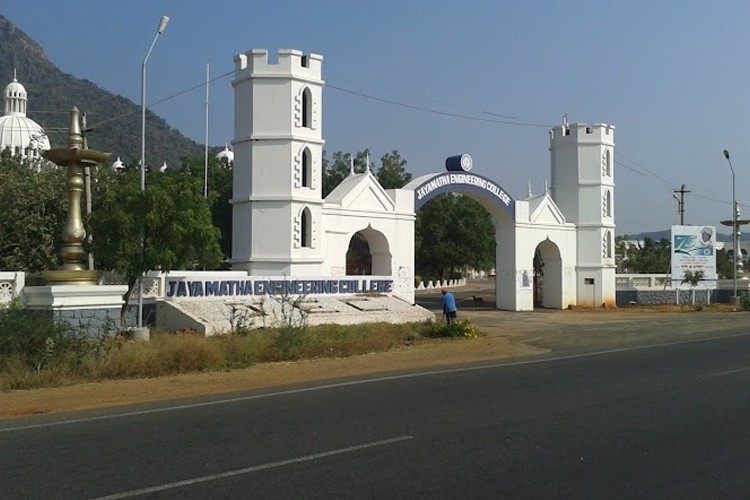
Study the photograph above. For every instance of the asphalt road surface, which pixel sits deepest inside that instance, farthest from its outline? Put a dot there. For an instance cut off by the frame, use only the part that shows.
(659, 421)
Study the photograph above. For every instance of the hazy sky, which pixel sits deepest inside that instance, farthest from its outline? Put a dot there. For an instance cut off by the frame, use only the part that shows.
(488, 78)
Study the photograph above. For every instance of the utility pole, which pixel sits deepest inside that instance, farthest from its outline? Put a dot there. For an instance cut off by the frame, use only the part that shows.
(681, 203)
(87, 188)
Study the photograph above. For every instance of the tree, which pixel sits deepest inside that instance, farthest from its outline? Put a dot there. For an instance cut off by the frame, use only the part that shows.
(453, 232)
(32, 215)
(392, 173)
(173, 215)
(622, 248)
(338, 170)
(650, 257)
(693, 279)
(724, 264)
(335, 172)
(219, 194)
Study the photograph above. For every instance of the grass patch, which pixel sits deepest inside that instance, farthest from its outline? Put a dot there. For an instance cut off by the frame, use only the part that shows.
(69, 358)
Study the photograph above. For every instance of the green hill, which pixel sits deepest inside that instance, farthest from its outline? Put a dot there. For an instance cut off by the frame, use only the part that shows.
(56, 92)
(667, 234)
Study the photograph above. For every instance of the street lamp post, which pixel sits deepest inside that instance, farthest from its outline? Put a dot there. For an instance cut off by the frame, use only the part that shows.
(735, 232)
(162, 26)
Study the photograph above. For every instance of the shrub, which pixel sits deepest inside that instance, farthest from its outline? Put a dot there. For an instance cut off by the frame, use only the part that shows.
(242, 351)
(37, 352)
(31, 338)
(290, 342)
(459, 328)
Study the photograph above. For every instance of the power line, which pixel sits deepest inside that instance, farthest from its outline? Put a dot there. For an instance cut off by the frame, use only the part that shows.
(160, 101)
(410, 97)
(507, 119)
(723, 201)
(647, 170)
(632, 169)
(435, 111)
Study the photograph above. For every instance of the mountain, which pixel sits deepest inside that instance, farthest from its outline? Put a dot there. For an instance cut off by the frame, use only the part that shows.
(54, 93)
(667, 234)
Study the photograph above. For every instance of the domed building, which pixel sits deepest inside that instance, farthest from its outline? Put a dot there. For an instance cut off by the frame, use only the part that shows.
(226, 156)
(118, 166)
(20, 135)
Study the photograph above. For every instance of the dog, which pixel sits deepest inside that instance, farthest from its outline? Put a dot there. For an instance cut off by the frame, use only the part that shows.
(478, 301)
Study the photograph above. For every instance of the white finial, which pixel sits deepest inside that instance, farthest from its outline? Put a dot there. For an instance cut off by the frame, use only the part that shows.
(163, 168)
(367, 167)
(351, 164)
(530, 195)
(14, 75)
(546, 187)
(565, 120)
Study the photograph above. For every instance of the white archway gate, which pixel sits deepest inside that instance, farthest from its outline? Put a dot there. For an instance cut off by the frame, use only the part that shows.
(282, 225)
(522, 227)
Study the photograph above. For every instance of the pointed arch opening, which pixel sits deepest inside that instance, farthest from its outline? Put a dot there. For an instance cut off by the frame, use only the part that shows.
(548, 276)
(608, 163)
(607, 204)
(306, 108)
(306, 168)
(607, 245)
(305, 228)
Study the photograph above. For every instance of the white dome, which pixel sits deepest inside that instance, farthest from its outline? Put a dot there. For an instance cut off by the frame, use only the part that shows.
(22, 135)
(117, 166)
(227, 155)
(163, 168)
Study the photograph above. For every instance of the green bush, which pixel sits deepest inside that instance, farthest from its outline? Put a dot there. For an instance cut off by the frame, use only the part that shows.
(32, 339)
(290, 342)
(244, 350)
(459, 328)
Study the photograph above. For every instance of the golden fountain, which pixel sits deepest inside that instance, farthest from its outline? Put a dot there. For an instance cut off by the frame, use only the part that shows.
(73, 269)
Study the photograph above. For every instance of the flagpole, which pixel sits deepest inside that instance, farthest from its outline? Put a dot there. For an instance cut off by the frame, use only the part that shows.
(205, 159)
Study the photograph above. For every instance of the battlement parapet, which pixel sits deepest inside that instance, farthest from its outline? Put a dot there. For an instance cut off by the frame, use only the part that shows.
(581, 132)
(290, 62)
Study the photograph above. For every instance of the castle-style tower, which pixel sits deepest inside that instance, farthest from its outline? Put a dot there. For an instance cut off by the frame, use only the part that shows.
(582, 172)
(278, 146)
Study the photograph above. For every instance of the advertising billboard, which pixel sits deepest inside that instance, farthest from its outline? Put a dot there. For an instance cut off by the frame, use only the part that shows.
(694, 250)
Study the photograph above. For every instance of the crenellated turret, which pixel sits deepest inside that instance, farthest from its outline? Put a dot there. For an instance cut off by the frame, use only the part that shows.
(278, 147)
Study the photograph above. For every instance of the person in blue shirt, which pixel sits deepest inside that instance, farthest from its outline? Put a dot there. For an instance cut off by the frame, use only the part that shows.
(449, 306)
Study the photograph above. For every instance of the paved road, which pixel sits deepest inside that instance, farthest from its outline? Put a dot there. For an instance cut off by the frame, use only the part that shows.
(668, 421)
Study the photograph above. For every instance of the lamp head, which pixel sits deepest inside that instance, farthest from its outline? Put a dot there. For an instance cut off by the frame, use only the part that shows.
(726, 154)
(162, 24)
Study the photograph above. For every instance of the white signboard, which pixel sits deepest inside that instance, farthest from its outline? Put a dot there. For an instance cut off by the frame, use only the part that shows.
(694, 250)
(203, 286)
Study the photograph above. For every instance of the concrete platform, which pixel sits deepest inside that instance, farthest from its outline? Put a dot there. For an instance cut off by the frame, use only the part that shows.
(217, 317)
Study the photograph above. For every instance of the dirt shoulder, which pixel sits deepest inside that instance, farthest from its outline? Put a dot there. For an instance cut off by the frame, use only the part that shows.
(506, 335)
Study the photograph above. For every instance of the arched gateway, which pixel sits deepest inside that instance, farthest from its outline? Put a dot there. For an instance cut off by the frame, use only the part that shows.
(537, 224)
(283, 227)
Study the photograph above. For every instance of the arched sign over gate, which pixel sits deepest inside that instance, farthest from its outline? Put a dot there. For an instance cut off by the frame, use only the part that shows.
(431, 185)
